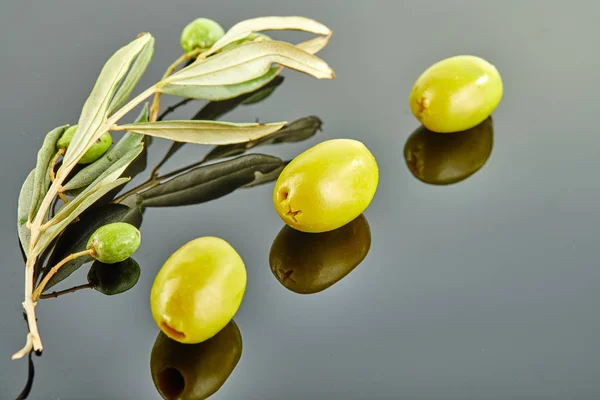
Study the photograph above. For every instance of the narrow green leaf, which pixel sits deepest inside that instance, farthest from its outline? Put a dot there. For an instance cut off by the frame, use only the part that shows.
(76, 236)
(23, 208)
(204, 132)
(88, 174)
(108, 176)
(296, 131)
(210, 182)
(245, 28)
(216, 109)
(133, 77)
(261, 178)
(53, 231)
(95, 109)
(250, 61)
(220, 92)
(44, 156)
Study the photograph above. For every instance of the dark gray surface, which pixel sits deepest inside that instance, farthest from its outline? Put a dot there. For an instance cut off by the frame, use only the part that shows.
(487, 289)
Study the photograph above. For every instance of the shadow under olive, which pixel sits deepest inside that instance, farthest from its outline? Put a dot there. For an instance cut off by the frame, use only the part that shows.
(195, 371)
(444, 159)
(307, 263)
(111, 279)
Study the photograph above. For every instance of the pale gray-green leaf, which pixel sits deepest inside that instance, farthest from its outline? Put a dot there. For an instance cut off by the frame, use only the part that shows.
(44, 156)
(250, 61)
(95, 109)
(204, 132)
(221, 92)
(53, 231)
(23, 208)
(244, 28)
(111, 174)
(210, 182)
(129, 141)
(133, 77)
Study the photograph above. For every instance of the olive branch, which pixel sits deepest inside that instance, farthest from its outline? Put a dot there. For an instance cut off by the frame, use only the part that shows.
(227, 69)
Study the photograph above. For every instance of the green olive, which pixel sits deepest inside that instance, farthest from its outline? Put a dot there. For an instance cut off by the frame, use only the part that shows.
(201, 33)
(456, 94)
(198, 290)
(195, 371)
(327, 186)
(114, 242)
(307, 263)
(95, 152)
(111, 279)
(441, 159)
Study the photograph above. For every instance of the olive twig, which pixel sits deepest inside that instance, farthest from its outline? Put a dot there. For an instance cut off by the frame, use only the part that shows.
(156, 102)
(58, 154)
(38, 291)
(54, 295)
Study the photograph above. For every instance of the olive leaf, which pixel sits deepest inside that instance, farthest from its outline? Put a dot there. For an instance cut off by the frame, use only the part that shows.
(76, 236)
(24, 205)
(315, 45)
(133, 77)
(108, 176)
(88, 174)
(216, 109)
(245, 28)
(220, 92)
(53, 231)
(204, 132)
(210, 182)
(95, 109)
(296, 131)
(250, 61)
(44, 156)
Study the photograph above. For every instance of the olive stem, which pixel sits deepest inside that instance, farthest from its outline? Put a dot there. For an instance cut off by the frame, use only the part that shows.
(59, 153)
(38, 291)
(54, 295)
(156, 102)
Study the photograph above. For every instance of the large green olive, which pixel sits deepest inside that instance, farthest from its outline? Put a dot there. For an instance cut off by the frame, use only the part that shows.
(456, 94)
(95, 152)
(307, 263)
(442, 159)
(327, 186)
(201, 34)
(194, 371)
(198, 290)
(111, 279)
(113, 243)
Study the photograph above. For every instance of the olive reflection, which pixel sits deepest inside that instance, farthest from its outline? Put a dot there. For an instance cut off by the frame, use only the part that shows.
(446, 158)
(307, 263)
(194, 371)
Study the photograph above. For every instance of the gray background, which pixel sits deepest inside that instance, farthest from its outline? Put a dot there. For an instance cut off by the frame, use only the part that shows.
(487, 289)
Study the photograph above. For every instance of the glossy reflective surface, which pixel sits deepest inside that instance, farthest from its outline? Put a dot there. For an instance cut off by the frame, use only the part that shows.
(484, 289)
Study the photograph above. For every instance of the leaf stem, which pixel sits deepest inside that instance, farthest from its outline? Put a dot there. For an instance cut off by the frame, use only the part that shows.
(38, 291)
(59, 153)
(156, 103)
(54, 295)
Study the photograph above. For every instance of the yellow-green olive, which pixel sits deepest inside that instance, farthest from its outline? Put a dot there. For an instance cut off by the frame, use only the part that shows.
(194, 371)
(327, 186)
(198, 290)
(113, 243)
(456, 94)
(441, 159)
(95, 152)
(308, 263)
(201, 34)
